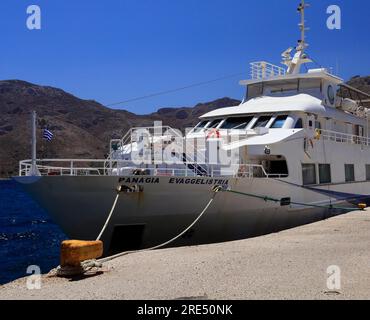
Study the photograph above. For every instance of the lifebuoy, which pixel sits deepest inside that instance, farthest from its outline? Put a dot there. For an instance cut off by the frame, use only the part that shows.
(213, 133)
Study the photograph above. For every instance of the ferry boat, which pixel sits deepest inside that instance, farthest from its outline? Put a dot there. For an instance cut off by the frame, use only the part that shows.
(297, 150)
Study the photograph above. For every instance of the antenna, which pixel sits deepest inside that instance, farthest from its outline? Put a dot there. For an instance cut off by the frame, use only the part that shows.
(294, 64)
(302, 45)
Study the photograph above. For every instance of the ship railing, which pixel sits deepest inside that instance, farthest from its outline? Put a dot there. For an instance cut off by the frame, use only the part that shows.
(131, 137)
(264, 70)
(159, 134)
(94, 167)
(336, 136)
(63, 167)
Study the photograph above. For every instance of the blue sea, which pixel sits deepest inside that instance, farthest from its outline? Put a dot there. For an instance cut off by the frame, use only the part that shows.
(27, 235)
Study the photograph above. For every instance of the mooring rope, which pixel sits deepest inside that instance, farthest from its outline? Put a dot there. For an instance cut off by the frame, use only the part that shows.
(109, 217)
(267, 198)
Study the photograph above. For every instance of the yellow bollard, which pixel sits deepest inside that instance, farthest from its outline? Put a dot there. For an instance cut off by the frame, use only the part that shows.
(73, 252)
(362, 206)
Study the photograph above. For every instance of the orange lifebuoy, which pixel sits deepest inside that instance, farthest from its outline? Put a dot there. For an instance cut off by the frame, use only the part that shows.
(213, 133)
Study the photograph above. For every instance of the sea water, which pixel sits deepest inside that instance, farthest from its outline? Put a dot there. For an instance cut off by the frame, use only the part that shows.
(27, 235)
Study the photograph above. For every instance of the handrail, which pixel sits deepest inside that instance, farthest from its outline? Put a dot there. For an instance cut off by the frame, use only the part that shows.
(167, 132)
(265, 70)
(127, 139)
(71, 168)
(343, 137)
(129, 133)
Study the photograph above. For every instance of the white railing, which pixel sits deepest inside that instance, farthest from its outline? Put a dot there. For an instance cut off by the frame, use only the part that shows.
(162, 135)
(93, 167)
(153, 132)
(264, 70)
(344, 137)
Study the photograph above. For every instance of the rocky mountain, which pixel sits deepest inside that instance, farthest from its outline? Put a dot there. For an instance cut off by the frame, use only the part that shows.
(82, 128)
(361, 83)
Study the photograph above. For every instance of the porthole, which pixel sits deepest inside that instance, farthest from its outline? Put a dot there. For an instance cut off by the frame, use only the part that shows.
(331, 94)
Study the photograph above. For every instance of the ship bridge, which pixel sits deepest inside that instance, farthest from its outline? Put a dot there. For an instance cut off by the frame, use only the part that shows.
(301, 103)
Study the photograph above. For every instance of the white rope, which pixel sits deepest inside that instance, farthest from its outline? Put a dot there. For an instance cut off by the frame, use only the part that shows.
(165, 243)
(109, 217)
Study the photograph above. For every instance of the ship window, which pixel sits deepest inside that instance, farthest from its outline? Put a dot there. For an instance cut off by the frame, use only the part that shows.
(324, 173)
(283, 86)
(214, 124)
(262, 122)
(305, 84)
(279, 122)
(331, 94)
(349, 172)
(200, 126)
(368, 172)
(299, 124)
(308, 174)
(236, 123)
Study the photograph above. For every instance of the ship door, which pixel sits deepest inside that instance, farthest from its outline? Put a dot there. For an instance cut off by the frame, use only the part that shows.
(358, 132)
(311, 126)
(126, 237)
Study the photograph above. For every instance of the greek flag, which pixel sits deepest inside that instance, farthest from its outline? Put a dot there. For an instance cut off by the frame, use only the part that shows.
(47, 135)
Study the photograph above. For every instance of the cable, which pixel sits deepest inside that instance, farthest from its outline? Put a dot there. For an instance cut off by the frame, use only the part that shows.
(267, 198)
(109, 217)
(174, 90)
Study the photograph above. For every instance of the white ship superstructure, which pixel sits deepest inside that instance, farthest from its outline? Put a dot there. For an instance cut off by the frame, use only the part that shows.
(294, 151)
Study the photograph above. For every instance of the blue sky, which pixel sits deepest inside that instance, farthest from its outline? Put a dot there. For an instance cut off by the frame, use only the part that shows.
(114, 50)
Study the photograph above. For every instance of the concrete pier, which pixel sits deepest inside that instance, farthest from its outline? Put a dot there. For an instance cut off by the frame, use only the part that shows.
(292, 264)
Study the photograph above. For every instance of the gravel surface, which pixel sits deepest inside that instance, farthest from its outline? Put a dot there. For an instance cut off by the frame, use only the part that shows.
(287, 265)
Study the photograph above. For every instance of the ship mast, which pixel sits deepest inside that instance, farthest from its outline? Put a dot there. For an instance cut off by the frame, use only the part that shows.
(294, 64)
(301, 9)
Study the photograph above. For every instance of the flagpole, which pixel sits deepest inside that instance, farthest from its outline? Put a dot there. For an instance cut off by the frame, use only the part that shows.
(34, 171)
